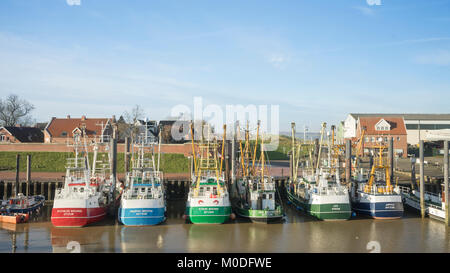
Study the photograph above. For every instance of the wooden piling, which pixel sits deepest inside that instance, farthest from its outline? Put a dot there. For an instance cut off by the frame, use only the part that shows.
(446, 181)
(413, 173)
(28, 174)
(5, 190)
(16, 184)
(348, 161)
(422, 181)
(49, 191)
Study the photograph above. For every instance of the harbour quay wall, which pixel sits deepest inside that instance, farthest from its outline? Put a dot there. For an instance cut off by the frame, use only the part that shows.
(176, 188)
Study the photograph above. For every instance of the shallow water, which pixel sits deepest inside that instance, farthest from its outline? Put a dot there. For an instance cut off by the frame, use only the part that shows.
(298, 233)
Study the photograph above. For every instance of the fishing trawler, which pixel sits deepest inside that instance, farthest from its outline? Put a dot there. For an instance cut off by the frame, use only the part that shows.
(375, 197)
(254, 195)
(143, 200)
(22, 204)
(434, 202)
(208, 199)
(318, 191)
(86, 194)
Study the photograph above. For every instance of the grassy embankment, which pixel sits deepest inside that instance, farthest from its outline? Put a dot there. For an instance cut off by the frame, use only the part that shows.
(56, 162)
(284, 147)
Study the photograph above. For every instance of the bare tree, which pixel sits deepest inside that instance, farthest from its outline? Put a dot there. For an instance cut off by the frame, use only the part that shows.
(136, 113)
(132, 117)
(14, 110)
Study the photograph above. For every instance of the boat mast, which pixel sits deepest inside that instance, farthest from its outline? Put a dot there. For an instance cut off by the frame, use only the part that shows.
(262, 161)
(86, 156)
(324, 124)
(240, 149)
(222, 156)
(254, 152)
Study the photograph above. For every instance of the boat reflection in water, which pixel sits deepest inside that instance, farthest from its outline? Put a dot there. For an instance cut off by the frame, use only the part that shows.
(14, 231)
(135, 239)
(84, 240)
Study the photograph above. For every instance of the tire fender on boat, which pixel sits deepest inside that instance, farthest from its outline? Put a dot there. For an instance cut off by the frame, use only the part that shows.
(232, 216)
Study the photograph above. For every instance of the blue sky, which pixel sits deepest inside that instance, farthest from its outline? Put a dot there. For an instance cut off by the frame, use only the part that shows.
(318, 60)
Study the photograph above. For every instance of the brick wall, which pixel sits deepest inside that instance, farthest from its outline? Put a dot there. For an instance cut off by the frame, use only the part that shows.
(185, 149)
(8, 137)
(400, 142)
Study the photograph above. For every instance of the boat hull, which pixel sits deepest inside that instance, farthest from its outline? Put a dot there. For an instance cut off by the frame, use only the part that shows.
(76, 213)
(329, 208)
(142, 212)
(15, 219)
(432, 210)
(259, 216)
(208, 214)
(379, 206)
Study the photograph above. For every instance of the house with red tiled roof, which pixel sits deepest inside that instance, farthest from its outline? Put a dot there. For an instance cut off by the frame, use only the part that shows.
(62, 130)
(380, 129)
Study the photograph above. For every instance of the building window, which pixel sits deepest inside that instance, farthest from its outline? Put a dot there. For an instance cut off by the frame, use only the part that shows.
(412, 126)
(398, 138)
(367, 139)
(2, 138)
(373, 139)
(64, 133)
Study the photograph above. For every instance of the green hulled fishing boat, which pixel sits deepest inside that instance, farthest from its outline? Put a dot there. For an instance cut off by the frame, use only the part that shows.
(254, 195)
(318, 191)
(208, 199)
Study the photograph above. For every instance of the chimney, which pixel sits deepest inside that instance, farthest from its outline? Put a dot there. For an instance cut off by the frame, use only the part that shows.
(83, 118)
(68, 116)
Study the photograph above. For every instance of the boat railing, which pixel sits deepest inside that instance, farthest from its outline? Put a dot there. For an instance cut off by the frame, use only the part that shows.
(335, 190)
(434, 198)
(75, 163)
(376, 189)
(102, 139)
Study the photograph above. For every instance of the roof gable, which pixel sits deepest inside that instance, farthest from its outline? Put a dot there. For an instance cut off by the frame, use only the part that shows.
(93, 126)
(396, 125)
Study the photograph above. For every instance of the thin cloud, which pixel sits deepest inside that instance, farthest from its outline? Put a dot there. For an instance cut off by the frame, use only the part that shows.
(366, 10)
(278, 60)
(440, 57)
